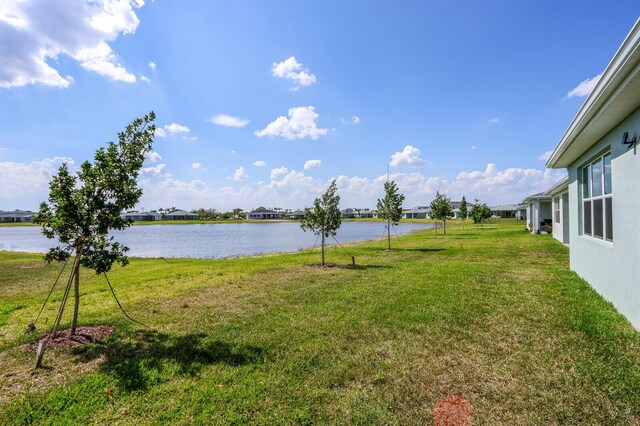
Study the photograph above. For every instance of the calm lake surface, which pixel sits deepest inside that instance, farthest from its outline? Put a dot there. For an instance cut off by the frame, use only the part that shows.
(212, 241)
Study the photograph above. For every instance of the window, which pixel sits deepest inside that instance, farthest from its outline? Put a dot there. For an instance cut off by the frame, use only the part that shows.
(597, 199)
(556, 206)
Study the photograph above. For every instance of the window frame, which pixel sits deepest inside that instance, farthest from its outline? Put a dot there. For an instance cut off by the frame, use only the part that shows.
(597, 210)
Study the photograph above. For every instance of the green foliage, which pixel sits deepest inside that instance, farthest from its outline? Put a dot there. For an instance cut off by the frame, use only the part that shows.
(479, 212)
(82, 209)
(441, 207)
(390, 207)
(464, 213)
(324, 217)
(207, 214)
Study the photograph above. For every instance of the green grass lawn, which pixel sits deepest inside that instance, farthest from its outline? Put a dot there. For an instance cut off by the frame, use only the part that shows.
(492, 314)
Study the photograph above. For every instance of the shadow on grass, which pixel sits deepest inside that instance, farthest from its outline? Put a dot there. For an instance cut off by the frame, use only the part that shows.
(149, 357)
(418, 249)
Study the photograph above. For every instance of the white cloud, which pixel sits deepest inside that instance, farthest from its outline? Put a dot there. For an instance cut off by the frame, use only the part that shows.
(152, 65)
(355, 120)
(152, 157)
(259, 163)
(240, 174)
(302, 123)
(26, 185)
(158, 170)
(233, 151)
(31, 37)
(474, 147)
(145, 79)
(291, 69)
(494, 120)
(312, 164)
(173, 129)
(585, 87)
(190, 138)
(545, 156)
(409, 157)
(197, 166)
(293, 189)
(228, 121)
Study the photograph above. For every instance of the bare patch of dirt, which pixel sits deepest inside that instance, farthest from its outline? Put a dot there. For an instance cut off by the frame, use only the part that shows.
(452, 410)
(83, 336)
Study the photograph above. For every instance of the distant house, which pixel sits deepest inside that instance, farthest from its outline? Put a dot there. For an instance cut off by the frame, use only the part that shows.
(349, 214)
(538, 213)
(366, 214)
(262, 213)
(180, 215)
(600, 153)
(296, 215)
(560, 205)
(508, 211)
(16, 216)
(142, 216)
(419, 212)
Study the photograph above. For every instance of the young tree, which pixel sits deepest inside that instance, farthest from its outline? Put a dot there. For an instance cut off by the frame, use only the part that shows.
(324, 217)
(463, 210)
(479, 212)
(82, 209)
(441, 210)
(390, 207)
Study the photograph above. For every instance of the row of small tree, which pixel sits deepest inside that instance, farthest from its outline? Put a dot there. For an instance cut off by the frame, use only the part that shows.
(441, 209)
(324, 217)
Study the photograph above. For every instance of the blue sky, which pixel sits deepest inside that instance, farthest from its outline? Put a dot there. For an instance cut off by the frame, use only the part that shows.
(463, 97)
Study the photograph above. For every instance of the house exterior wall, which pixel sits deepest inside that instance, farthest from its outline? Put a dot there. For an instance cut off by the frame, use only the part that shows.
(612, 268)
(561, 229)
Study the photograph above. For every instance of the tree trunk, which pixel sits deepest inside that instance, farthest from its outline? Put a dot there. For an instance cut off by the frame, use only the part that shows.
(76, 295)
(435, 231)
(323, 248)
(444, 227)
(389, 233)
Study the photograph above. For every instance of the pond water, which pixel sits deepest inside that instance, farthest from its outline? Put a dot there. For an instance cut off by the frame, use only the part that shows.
(212, 241)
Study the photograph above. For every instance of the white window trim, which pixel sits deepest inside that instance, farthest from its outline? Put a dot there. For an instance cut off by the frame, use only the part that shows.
(606, 239)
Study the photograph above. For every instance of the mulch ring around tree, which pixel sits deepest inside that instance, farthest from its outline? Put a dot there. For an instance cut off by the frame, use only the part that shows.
(453, 410)
(83, 336)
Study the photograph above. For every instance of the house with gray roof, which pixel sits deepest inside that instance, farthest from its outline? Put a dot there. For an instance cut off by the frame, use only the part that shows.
(16, 216)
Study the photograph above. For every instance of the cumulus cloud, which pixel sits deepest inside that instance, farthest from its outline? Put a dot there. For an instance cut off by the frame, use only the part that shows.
(152, 65)
(158, 170)
(26, 185)
(293, 189)
(409, 157)
(545, 156)
(145, 79)
(240, 174)
(197, 166)
(152, 157)
(300, 123)
(291, 69)
(312, 164)
(172, 129)
(494, 120)
(259, 163)
(585, 87)
(31, 37)
(228, 121)
(355, 120)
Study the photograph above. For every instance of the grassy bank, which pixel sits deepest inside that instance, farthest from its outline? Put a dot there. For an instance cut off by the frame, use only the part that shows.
(492, 314)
